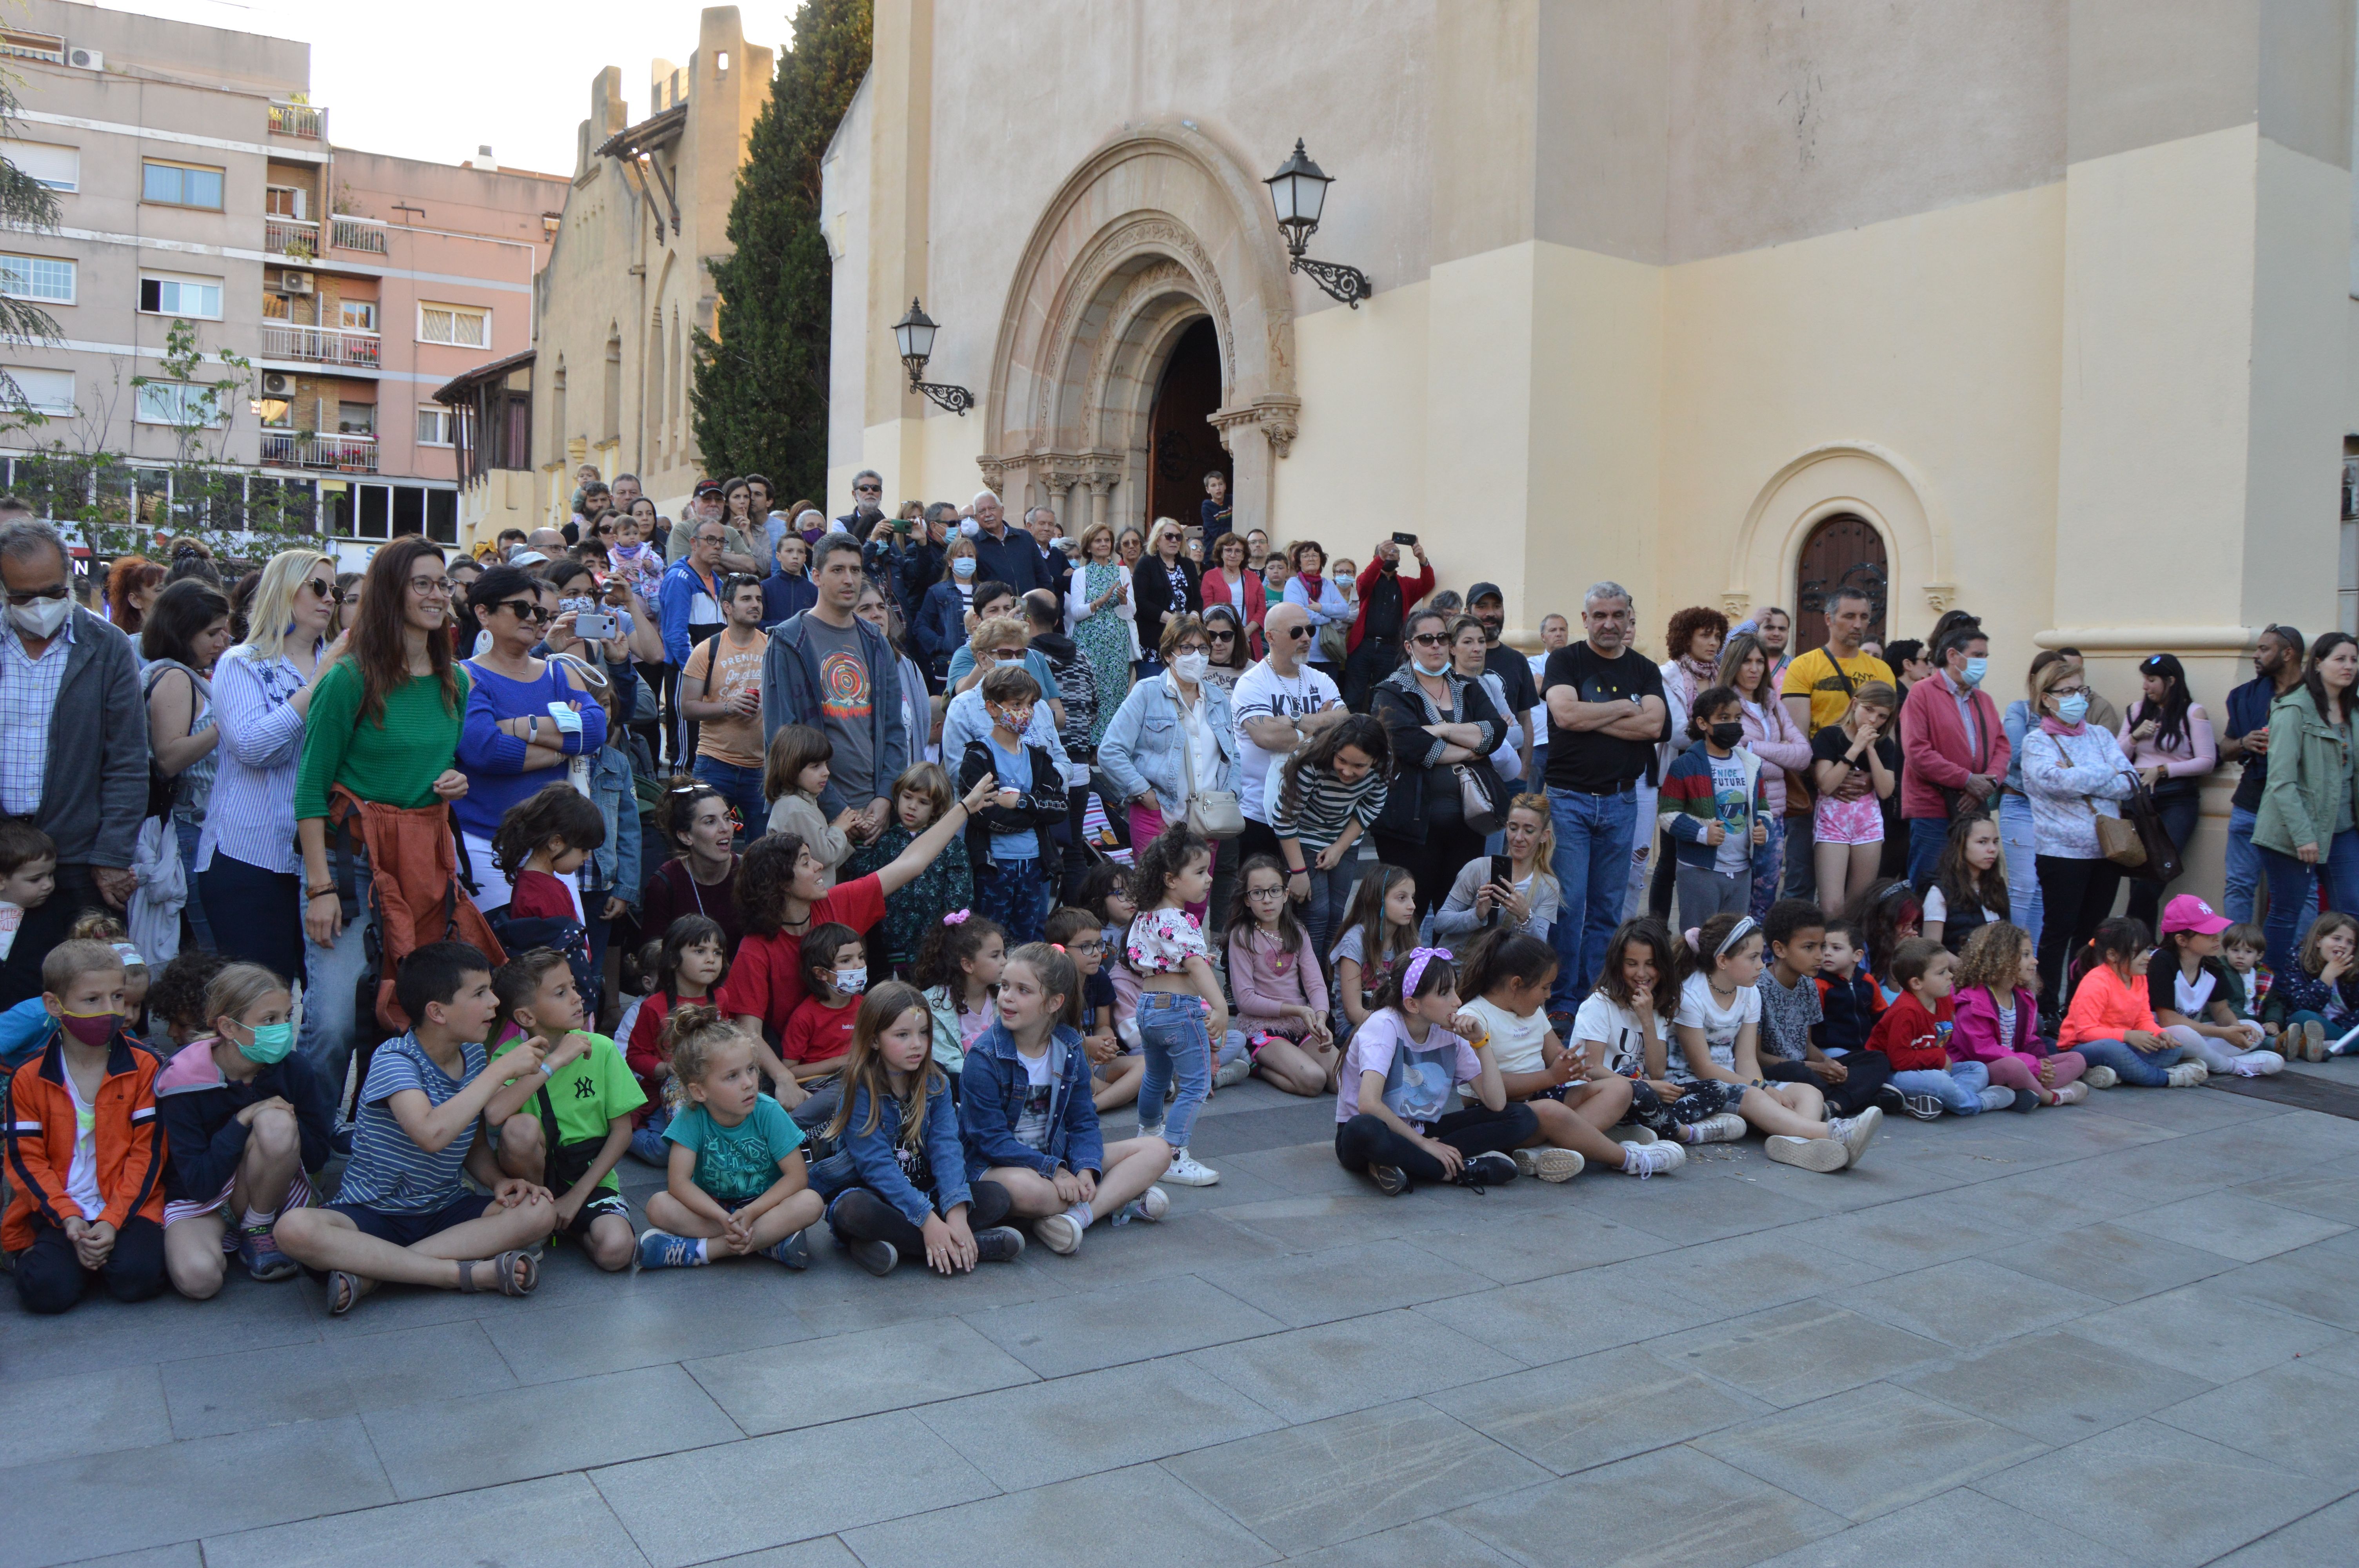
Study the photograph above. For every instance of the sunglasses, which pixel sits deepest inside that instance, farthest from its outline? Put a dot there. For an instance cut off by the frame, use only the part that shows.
(1430, 640)
(321, 588)
(867, 490)
(1297, 632)
(525, 610)
(1223, 636)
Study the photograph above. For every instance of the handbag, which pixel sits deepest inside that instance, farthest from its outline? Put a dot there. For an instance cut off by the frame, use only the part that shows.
(1214, 813)
(1478, 798)
(2159, 859)
(2118, 841)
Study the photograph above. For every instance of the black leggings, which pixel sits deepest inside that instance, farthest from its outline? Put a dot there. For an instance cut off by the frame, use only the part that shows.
(2074, 896)
(1868, 1072)
(859, 1215)
(1366, 1139)
(51, 1278)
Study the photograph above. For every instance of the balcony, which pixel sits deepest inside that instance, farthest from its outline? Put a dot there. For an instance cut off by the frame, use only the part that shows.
(297, 119)
(321, 345)
(349, 233)
(312, 449)
(298, 238)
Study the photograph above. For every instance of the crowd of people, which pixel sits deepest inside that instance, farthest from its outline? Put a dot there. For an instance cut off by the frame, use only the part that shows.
(856, 870)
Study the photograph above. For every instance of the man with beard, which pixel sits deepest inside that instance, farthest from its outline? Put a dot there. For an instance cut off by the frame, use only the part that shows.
(2277, 670)
(1489, 606)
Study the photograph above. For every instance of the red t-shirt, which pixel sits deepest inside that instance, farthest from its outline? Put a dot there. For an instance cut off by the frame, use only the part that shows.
(765, 979)
(540, 896)
(1916, 1040)
(818, 1031)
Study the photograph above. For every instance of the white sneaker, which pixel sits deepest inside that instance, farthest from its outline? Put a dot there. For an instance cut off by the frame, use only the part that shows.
(1549, 1163)
(1856, 1132)
(1232, 1073)
(1060, 1233)
(1632, 1132)
(1149, 1205)
(1186, 1173)
(2101, 1077)
(2187, 1075)
(1154, 1132)
(1726, 1128)
(1644, 1160)
(1810, 1154)
(2257, 1064)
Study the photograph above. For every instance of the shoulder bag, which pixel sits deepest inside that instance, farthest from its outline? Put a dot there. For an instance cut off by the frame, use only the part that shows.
(2157, 857)
(1214, 813)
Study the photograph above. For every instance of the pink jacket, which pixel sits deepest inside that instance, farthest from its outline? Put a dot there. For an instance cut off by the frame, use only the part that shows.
(1933, 749)
(1781, 745)
(1975, 1038)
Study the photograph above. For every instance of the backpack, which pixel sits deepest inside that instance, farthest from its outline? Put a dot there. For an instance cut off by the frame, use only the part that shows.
(520, 933)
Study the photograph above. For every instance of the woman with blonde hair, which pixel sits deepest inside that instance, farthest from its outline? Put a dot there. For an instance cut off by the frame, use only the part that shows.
(1105, 620)
(1168, 587)
(249, 873)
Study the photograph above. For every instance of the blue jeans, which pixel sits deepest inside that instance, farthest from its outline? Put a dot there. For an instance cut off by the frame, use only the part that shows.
(2147, 1072)
(1173, 1036)
(648, 1142)
(1768, 857)
(188, 834)
(2292, 902)
(331, 1019)
(2244, 868)
(2020, 844)
(1331, 895)
(1960, 1089)
(742, 788)
(1927, 835)
(1013, 895)
(1592, 873)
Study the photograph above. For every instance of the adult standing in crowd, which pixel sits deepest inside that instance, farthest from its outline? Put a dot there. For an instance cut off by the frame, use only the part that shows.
(2305, 828)
(1373, 649)
(2277, 670)
(1041, 523)
(1280, 704)
(1007, 554)
(1230, 581)
(1694, 637)
(917, 707)
(905, 556)
(1098, 604)
(1818, 686)
(1746, 668)
(73, 744)
(132, 584)
(1556, 633)
(1165, 587)
(2074, 773)
(1173, 738)
(2018, 831)
(720, 691)
(1312, 588)
(1953, 748)
(383, 727)
(948, 615)
(834, 672)
(2168, 738)
(1512, 670)
(2100, 712)
(1606, 716)
(868, 506)
(185, 633)
(249, 875)
(1776, 630)
(689, 606)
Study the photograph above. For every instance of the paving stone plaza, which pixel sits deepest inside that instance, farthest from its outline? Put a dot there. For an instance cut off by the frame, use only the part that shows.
(2121, 1333)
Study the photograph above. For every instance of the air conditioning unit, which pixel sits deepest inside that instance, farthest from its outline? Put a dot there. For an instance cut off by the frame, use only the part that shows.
(293, 282)
(278, 384)
(86, 59)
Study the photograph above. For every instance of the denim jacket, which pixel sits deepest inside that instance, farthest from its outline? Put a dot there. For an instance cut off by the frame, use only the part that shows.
(867, 1158)
(990, 1097)
(1142, 748)
(614, 868)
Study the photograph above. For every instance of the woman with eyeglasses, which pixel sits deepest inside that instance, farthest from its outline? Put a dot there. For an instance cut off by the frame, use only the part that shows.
(1165, 585)
(2074, 773)
(1438, 722)
(528, 719)
(249, 876)
(1230, 655)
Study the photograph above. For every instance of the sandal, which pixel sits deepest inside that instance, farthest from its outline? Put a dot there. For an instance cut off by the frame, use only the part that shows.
(507, 1264)
(350, 1284)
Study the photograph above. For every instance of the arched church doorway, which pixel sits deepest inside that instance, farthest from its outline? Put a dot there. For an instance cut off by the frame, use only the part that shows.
(1842, 551)
(1182, 448)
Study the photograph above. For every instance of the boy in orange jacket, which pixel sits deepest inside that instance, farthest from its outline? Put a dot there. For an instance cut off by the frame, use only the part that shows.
(85, 1153)
(1914, 1034)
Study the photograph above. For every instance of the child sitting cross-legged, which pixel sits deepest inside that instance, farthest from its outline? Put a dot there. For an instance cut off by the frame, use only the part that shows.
(1281, 998)
(1791, 1012)
(835, 973)
(402, 1217)
(2316, 1001)
(959, 968)
(2246, 982)
(575, 1125)
(2110, 1022)
(735, 1186)
(2186, 987)
(1393, 1123)
(1028, 1119)
(690, 967)
(85, 1157)
(245, 1117)
(1996, 1000)
(1113, 1073)
(1507, 977)
(898, 1185)
(1913, 1033)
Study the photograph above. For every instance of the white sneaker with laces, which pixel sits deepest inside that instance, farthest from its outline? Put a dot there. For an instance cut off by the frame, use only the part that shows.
(1726, 1128)
(2257, 1064)
(1645, 1160)
(1186, 1173)
(1060, 1233)
(1232, 1073)
(1632, 1132)
(2187, 1075)
(2101, 1077)
(1856, 1132)
(1149, 1205)
(1549, 1163)
(1810, 1154)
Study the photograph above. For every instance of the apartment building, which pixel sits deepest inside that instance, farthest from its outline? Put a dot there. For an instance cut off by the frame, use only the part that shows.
(198, 184)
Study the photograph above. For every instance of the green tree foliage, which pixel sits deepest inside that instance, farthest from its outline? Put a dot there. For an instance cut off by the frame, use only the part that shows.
(25, 204)
(760, 394)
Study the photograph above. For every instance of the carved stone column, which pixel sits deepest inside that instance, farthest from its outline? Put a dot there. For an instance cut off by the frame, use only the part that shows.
(1100, 483)
(1257, 435)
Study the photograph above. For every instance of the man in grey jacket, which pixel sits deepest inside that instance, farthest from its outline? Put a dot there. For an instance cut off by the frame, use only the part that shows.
(833, 671)
(73, 744)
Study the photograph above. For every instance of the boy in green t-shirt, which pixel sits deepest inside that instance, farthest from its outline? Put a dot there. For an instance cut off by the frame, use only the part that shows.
(569, 1136)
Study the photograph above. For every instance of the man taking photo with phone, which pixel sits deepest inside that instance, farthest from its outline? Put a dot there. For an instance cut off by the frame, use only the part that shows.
(1375, 644)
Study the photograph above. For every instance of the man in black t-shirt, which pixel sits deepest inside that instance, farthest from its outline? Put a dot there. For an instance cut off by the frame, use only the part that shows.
(1606, 714)
(1489, 606)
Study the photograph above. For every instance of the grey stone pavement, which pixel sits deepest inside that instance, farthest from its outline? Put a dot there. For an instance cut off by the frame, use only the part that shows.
(2121, 1332)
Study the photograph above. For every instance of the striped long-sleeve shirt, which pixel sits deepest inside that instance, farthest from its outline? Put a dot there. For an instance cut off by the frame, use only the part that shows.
(1324, 807)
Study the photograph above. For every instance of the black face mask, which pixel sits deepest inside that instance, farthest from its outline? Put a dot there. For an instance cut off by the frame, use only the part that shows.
(1728, 737)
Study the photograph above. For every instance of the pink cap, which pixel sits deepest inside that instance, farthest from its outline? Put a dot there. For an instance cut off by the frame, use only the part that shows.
(2189, 913)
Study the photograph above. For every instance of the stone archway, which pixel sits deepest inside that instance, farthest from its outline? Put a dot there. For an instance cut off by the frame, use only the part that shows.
(1155, 232)
(1844, 479)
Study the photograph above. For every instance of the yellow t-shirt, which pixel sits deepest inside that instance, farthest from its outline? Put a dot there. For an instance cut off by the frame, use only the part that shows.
(1813, 676)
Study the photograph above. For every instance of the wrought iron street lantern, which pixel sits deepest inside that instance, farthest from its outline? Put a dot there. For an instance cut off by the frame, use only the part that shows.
(914, 333)
(1298, 192)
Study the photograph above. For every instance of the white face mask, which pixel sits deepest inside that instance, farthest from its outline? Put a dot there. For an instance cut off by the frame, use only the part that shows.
(1191, 667)
(969, 527)
(851, 982)
(1441, 661)
(42, 617)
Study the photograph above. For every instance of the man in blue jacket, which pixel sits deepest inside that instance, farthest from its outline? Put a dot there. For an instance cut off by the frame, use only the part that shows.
(1007, 554)
(833, 671)
(689, 608)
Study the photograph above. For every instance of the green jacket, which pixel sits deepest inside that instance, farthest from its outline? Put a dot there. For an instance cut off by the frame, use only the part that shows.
(2309, 763)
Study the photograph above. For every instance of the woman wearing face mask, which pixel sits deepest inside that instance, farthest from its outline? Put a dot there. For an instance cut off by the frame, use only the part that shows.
(2168, 738)
(940, 631)
(2074, 773)
(1173, 735)
(2305, 826)
(1439, 721)
(244, 1119)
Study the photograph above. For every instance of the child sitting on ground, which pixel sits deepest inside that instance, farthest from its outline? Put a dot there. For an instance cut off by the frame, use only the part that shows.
(1623, 1028)
(2246, 982)
(689, 968)
(244, 1117)
(401, 1215)
(2187, 988)
(1379, 931)
(1282, 1002)
(1886, 914)
(1027, 1119)
(1913, 1033)
(1791, 1010)
(795, 773)
(97, 926)
(177, 1011)
(2318, 998)
(1507, 975)
(573, 1129)
(1968, 885)
(959, 968)
(1113, 1073)
(84, 1151)
(1393, 1123)
(835, 973)
(2110, 1022)
(541, 840)
(921, 795)
(1994, 1000)
(1849, 1001)
(734, 1184)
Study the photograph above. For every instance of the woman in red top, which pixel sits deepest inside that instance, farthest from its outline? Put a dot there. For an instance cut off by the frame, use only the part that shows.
(782, 895)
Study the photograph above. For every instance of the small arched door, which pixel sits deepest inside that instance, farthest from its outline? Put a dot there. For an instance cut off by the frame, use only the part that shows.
(1842, 551)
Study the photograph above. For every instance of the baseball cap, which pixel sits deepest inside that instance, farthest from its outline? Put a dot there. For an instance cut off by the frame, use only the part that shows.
(2189, 913)
(706, 487)
(527, 559)
(1483, 591)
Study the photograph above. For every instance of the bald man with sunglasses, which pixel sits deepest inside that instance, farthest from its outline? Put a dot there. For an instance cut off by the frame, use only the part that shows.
(1280, 703)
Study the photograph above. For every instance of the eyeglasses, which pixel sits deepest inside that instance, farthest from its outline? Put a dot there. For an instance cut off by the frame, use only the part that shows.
(1223, 636)
(21, 599)
(1080, 948)
(423, 587)
(867, 490)
(526, 610)
(1278, 892)
(1430, 639)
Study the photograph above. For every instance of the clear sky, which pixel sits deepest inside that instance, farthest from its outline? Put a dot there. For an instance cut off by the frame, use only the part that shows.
(435, 79)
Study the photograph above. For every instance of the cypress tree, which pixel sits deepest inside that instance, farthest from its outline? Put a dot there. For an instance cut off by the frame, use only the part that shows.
(759, 401)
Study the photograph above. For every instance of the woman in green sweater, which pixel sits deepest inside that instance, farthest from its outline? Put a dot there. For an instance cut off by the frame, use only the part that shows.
(385, 726)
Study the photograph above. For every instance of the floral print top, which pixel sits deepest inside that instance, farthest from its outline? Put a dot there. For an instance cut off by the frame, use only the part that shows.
(1162, 941)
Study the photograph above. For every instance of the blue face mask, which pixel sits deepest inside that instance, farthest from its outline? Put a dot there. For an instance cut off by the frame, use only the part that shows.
(272, 1043)
(2073, 708)
(1976, 669)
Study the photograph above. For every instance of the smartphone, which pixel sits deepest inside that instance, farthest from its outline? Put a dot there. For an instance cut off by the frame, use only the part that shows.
(1404, 538)
(901, 524)
(595, 626)
(1503, 871)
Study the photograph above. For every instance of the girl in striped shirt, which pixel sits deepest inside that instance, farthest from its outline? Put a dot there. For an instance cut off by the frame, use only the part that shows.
(1329, 794)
